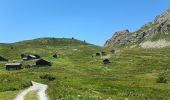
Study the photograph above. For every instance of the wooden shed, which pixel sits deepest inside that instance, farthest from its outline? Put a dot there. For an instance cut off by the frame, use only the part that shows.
(104, 53)
(42, 62)
(106, 61)
(13, 66)
(97, 54)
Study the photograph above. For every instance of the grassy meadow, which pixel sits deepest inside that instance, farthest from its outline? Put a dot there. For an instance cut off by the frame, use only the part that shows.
(133, 74)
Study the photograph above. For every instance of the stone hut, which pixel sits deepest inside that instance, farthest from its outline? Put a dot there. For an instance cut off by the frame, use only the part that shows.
(97, 54)
(104, 53)
(42, 62)
(106, 61)
(13, 66)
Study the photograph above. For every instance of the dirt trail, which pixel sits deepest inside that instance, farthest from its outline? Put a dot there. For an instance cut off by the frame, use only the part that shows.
(36, 86)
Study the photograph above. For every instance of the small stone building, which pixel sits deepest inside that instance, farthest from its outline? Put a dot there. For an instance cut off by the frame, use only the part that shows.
(13, 66)
(42, 62)
(106, 61)
(104, 53)
(97, 54)
(112, 51)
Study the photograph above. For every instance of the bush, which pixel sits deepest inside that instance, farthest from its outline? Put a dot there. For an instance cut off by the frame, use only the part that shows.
(55, 56)
(26, 84)
(162, 78)
(47, 77)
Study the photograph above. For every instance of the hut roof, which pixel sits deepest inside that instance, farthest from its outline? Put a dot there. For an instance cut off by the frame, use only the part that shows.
(33, 56)
(37, 60)
(106, 61)
(3, 59)
(43, 62)
(13, 64)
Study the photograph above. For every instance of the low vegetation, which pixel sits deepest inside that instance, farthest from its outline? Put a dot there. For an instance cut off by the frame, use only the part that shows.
(48, 77)
(12, 82)
(78, 74)
(162, 78)
(33, 95)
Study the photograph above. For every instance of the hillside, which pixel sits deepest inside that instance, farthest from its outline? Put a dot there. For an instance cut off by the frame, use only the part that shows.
(77, 73)
(159, 29)
(52, 42)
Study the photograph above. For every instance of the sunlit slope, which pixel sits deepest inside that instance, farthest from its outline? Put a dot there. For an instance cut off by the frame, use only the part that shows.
(79, 74)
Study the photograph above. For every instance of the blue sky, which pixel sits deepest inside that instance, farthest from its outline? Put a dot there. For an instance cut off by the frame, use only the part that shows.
(92, 20)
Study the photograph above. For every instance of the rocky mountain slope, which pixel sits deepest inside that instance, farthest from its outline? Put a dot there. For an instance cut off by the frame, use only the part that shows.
(161, 26)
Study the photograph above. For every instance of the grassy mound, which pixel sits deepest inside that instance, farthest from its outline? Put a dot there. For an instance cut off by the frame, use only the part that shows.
(12, 82)
(53, 42)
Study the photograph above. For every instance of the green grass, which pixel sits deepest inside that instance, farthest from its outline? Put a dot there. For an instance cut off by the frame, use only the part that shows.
(159, 36)
(8, 95)
(12, 82)
(133, 74)
(32, 96)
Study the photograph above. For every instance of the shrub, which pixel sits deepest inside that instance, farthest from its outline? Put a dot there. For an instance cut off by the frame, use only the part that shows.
(26, 84)
(162, 78)
(55, 56)
(47, 77)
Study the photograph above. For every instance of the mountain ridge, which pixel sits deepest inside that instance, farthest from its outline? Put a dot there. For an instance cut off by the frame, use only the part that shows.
(51, 41)
(161, 24)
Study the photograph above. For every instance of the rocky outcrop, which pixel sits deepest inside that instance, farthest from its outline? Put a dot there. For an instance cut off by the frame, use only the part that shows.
(121, 37)
(164, 16)
(161, 24)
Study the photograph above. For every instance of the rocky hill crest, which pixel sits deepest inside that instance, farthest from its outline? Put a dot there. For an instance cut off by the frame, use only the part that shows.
(161, 24)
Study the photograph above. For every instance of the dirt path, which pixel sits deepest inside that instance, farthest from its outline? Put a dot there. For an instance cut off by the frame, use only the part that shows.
(36, 86)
